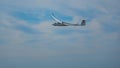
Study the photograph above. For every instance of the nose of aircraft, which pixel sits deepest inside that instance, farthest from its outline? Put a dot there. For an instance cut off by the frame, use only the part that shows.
(54, 24)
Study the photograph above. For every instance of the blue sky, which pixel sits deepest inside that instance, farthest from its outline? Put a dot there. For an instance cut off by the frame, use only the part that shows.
(28, 39)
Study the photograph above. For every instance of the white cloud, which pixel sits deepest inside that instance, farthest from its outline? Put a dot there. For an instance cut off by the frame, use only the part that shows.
(47, 42)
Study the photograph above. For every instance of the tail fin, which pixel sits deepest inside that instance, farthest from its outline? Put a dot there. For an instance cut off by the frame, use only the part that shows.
(83, 23)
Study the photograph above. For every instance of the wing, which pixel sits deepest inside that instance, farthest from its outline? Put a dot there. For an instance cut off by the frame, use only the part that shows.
(56, 18)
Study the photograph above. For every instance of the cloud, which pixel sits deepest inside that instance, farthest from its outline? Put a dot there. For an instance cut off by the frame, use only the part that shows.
(39, 40)
(48, 34)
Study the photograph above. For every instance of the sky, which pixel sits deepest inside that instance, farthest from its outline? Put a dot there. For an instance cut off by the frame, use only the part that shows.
(29, 40)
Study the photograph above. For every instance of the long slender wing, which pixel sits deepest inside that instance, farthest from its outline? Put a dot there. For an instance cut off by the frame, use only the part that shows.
(56, 18)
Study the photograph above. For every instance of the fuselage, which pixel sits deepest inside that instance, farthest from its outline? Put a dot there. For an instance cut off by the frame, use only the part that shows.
(59, 24)
(65, 24)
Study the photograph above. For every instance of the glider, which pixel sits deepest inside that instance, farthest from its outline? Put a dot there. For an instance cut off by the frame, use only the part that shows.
(61, 23)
